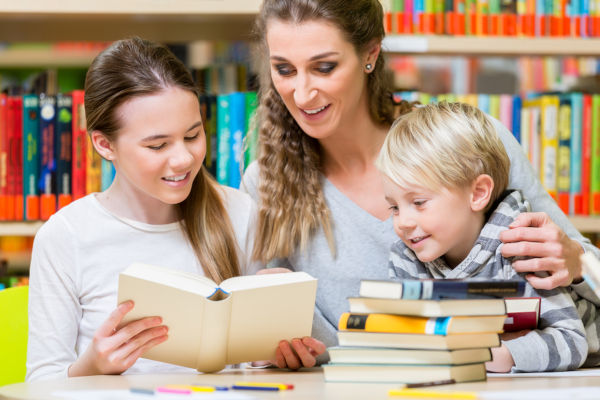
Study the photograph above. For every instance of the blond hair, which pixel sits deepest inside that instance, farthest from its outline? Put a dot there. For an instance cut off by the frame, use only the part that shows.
(447, 145)
(133, 68)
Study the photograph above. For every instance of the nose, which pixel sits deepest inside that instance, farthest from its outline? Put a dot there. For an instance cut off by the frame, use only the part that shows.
(181, 158)
(304, 92)
(404, 220)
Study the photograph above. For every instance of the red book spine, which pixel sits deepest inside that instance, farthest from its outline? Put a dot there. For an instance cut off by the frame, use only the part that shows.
(3, 158)
(387, 22)
(19, 204)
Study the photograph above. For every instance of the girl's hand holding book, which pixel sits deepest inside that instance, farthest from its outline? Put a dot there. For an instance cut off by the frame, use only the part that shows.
(298, 353)
(115, 348)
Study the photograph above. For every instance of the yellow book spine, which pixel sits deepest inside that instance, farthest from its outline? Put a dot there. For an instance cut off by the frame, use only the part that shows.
(549, 144)
(385, 323)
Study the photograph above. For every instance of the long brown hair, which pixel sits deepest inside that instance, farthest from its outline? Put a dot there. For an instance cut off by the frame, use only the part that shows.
(292, 206)
(135, 67)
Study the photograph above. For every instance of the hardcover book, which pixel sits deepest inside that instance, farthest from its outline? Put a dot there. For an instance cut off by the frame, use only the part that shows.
(441, 288)
(375, 355)
(241, 319)
(431, 326)
(419, 341)
(398, 373)
(428, 308)
(522, 313)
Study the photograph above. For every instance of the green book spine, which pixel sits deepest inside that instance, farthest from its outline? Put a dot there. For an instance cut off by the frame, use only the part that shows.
(595, 161)
(251, 129)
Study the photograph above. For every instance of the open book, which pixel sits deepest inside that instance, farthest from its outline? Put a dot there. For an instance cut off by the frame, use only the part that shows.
(210, 326)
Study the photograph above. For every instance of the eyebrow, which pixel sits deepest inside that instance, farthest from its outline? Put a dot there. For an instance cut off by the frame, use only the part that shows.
(164, 136)
(313, 58)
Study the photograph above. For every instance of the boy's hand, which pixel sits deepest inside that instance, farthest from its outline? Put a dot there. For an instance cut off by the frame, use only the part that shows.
(300, 353)
(113, 350)
(502, 360)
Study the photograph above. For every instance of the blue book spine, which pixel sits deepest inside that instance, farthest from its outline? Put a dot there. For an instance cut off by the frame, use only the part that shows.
(223, 139)
(449, 289)
(576, 151)
(483, 103)
(516, 118)
(237, 123)
(62, 147)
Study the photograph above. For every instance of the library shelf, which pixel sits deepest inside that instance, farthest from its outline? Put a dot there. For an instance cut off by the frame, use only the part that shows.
(20, 228)
(590, 224)
(45, 57)
(160, 20)
(491, 45)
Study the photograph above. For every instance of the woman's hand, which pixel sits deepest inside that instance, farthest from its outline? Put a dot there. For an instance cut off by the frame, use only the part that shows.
(113, 350)
(298, 353)
(546, 248)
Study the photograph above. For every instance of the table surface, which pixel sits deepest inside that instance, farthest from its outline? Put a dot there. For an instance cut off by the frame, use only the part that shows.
(308, 384)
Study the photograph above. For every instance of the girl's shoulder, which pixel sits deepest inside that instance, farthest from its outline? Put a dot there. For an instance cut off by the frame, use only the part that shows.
(81, 212)
(236, 202)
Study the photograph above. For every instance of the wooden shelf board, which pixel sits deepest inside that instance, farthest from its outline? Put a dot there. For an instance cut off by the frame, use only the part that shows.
(133, 7)
(23, 58)
(473, 45)
(586, 224)
(20, 228)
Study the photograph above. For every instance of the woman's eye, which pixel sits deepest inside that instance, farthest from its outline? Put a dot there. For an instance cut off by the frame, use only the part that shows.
(157, 147)
(327, 67)
(284, 70)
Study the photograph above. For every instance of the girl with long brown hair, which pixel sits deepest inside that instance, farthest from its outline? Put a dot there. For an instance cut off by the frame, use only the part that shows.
(163, 208)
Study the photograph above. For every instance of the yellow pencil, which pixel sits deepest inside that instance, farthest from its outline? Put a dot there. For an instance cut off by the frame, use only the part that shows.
(191, 388)
(281, 386)
(432, 394)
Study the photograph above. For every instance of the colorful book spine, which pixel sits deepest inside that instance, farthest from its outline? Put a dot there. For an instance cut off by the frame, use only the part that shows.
(93, 168)
(586, 149)
(595, 157)
(549, 143)
(14, 161)
(31, 198)
(576, 151)
(63, 149)
(237, 122)
(47, 183)
(223, 139)
(516, 118)
(79, 146)
(563, 157)
(3, 157)
(251, 129)
(441, 289)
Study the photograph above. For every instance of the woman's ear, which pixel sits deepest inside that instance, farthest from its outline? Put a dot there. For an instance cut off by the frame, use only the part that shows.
(103, 146)
(373, 51)
(481, 192)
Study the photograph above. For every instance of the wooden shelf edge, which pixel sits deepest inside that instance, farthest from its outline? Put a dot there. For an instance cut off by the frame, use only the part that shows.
(473, 45)
(129, 7)
(21, 228)
(586, 224)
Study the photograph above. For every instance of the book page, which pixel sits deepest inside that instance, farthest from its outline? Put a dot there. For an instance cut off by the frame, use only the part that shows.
(262, 316)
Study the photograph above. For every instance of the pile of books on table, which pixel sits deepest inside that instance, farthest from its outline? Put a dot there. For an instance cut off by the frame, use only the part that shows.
(416, 331)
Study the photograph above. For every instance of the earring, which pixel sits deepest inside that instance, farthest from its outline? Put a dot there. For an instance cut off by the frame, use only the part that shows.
(368, 67)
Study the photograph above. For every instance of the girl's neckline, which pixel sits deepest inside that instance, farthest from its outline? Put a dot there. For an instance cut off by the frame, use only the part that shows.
(137, 224)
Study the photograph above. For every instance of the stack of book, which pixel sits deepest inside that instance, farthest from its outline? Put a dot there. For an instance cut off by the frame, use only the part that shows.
(415, 331)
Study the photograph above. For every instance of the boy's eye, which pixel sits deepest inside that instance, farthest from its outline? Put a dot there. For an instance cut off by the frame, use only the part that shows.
(284, 69)
(157, 147)
(419, 203)
(394, 210)
(326, 67)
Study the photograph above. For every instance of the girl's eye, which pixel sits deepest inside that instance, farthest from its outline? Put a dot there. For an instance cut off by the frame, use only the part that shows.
(284, 69)
(157, 147)
(326, 67)
(191, 138)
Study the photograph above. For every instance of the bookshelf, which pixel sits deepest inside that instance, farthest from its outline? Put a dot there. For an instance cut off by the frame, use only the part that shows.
(491, 46)
(189, 20)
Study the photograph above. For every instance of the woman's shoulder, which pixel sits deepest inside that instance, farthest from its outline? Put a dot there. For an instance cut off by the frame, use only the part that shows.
(250, 180)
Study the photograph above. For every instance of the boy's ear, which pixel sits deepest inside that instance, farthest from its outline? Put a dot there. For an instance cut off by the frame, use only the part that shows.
(103, 146)
(481, 192)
